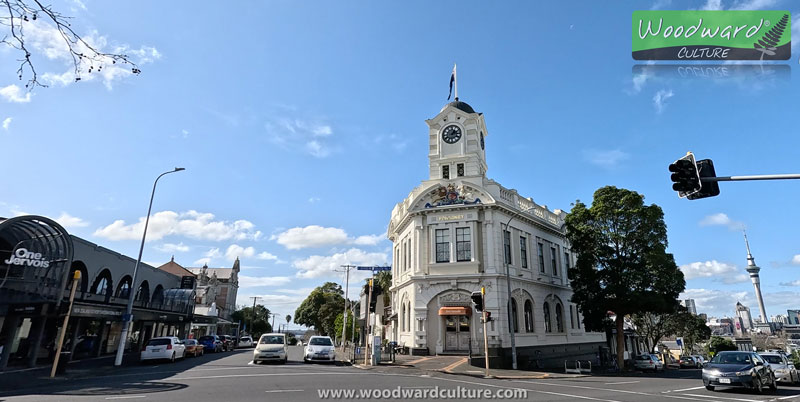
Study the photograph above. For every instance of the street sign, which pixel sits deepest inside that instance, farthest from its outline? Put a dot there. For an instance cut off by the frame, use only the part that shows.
(374, 269)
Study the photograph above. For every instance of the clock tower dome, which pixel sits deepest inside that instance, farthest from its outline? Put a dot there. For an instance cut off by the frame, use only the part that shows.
(457, 143)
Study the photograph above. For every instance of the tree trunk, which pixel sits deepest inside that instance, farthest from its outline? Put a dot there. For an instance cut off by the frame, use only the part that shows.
(620, 320)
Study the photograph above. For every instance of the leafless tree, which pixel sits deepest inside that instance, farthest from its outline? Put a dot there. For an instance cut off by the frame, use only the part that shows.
(86, 58)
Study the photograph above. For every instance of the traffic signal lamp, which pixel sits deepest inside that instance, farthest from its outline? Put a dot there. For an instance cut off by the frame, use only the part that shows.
(685, 177)
(477, 300)
(705, 168)
(488, 316)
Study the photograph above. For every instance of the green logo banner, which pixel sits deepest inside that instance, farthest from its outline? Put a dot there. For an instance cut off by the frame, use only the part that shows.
(711, 35)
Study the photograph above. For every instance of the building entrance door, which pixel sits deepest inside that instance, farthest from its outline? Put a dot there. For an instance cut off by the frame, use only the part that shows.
(457, 333)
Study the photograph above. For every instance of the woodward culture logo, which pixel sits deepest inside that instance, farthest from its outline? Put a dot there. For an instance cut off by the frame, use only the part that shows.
(712, 35)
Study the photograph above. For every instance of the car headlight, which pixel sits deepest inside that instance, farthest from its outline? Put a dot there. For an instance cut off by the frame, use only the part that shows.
(748, 372)
(781, 371)
(713, 372)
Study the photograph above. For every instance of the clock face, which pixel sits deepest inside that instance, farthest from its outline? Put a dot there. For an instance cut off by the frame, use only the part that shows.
(481, 139)
(451, 134)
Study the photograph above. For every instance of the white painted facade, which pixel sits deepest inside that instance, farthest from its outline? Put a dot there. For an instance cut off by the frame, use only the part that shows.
(463, 216)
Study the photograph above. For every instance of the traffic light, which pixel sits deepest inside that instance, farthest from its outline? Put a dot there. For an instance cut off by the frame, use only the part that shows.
(488, 316)
(705, 168)
(376, 289)
(685, 177)
(477, 300)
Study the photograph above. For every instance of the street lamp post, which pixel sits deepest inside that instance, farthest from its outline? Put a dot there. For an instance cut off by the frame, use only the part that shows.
(506, 259)
(131, 292)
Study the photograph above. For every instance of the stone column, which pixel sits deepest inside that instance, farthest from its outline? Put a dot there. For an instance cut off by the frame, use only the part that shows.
(36, 334)
(8, 333)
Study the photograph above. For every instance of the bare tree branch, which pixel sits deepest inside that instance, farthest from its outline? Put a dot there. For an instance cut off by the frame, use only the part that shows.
(86, 58)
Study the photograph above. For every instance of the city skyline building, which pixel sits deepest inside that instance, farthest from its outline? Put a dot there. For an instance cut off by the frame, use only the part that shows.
(753, 270)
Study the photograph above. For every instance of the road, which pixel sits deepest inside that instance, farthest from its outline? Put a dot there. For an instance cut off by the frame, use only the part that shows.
(230, 376)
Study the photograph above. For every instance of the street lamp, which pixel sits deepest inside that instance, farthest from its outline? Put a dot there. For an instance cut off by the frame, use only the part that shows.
(506, 259)
(128, 319)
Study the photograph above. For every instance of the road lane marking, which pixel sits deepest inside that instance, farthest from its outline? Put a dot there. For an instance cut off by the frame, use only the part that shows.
(420, 360)
(127, 397)
(621, 382)
(681, 390)
(789, 397)
(284, 390)
(451, 367)
(622, 391)
(205, 377)
(722, 397)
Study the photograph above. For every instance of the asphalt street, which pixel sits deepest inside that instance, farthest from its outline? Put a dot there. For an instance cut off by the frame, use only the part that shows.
(230, 376)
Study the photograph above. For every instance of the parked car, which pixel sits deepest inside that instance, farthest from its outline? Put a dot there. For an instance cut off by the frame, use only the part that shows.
(168, 347)
(739, 369)
(271, 347)
(784, 369)
(246, 341)
(193, 347)
(648, 362)
(700, 360)
(690, 362)
(228, 342)
(211, 343)
(320, 348)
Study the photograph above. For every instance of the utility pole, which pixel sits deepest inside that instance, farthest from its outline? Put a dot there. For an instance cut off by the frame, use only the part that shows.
(485, 334)
(346, 300)
(369, 324)
(76, 276)
(253, 314)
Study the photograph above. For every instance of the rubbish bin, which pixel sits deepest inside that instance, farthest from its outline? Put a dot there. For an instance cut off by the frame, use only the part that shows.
(63, 359)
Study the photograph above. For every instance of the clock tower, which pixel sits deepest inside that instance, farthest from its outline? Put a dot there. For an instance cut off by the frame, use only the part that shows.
(457, 138)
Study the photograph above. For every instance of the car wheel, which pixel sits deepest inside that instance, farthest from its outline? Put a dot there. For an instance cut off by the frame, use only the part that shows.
(758, 386)
(773, 386)
(172, 359)
(710, 387)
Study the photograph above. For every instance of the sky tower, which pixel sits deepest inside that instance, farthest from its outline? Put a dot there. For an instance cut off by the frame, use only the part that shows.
(753, 269)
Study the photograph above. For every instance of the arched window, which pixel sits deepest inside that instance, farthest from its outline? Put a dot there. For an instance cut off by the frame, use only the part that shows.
(571, 317)
(559, 317)
(514, 315)
(83, 283)
(158, 297)
(143, 294)
(546, 308)
(124, 288)
(403, 318)
(102, 284)
(529, 316)
(408, 311)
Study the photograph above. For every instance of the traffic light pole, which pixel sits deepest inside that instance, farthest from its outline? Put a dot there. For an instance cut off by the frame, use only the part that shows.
(369, 326)
(753, 177)
(485, 334)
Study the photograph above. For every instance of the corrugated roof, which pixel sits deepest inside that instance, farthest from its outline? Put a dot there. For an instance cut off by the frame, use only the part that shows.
(221, 272)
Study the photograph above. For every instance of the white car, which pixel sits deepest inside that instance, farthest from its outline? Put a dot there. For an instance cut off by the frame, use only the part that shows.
(168, 347)
(320, 348)
(271, 347)
(648, 362)
(246, 342)
(784, 369)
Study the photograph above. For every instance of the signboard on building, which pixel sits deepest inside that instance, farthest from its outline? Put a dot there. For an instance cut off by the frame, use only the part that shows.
(187, 282)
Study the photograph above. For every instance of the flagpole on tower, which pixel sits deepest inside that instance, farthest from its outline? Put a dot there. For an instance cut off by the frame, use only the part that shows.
(455, 80)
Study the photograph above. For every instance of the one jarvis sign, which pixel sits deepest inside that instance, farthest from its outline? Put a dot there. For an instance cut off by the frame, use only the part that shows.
(712, 35)
(23, 257)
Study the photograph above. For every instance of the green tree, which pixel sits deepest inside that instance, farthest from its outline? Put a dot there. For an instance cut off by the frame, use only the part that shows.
(622, 265)
(348, 330)
(719, 344)
(692, 328)
(384, 280)
(796, 358)
(320, 308)
(260, 322)
(654, 326)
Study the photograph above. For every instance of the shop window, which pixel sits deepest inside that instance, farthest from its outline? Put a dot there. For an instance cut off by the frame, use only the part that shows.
(442, 245)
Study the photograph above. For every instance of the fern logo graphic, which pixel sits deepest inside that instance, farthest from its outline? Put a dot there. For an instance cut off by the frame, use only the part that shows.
(711, 35)
(767, 45)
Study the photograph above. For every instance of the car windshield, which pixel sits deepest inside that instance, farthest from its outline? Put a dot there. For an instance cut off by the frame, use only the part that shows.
(189, 341)
(272, 340)
(321, 342)
(158, 342)
(206, 339)
(772, 359)
(732, 358)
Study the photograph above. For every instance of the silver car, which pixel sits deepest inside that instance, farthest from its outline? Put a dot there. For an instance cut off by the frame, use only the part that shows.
(785, 372)
(648, 362)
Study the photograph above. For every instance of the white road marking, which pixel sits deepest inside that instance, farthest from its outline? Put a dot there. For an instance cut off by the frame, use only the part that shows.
(127, 397)
(622, 391)
(205, 377)
(722, 397)
(681, 390)
(622, 382)
(789, 397)
(285, 390)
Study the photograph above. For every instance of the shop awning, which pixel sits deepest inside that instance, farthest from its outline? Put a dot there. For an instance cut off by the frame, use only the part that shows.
(455, 311)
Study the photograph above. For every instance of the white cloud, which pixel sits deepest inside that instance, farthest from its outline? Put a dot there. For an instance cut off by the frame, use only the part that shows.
(68, 221)
(47, 41)
(322, 131)
(191, 224)
(208, 256)
(79, 4)
(302, 135)
(792, 283)
(7, 123)
(266, 256)
(721, 219)
(314, 200)
(718, 271)
(368, 240)
(605, 158)
(319, 236)
(317, 149)
(185, 133)
(13, 93)
(722, 303)
(235, 250)
(795, 32)
(659, 4)
(796, 259)
(171, 248)
(712, 5)
(311, 236)
(256, 281)
(317, 266)
(660, 99)
(754, 4)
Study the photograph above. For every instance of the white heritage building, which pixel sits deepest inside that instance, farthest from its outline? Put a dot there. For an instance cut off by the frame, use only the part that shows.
(449, 240)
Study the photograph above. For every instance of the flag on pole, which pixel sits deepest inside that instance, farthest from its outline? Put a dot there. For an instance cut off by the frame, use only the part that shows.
(452, 81)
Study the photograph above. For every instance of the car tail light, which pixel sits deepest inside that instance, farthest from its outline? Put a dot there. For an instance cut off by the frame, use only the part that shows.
(169, 346)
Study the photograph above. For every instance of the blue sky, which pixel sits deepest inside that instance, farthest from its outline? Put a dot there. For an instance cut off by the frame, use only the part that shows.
(302, 124)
